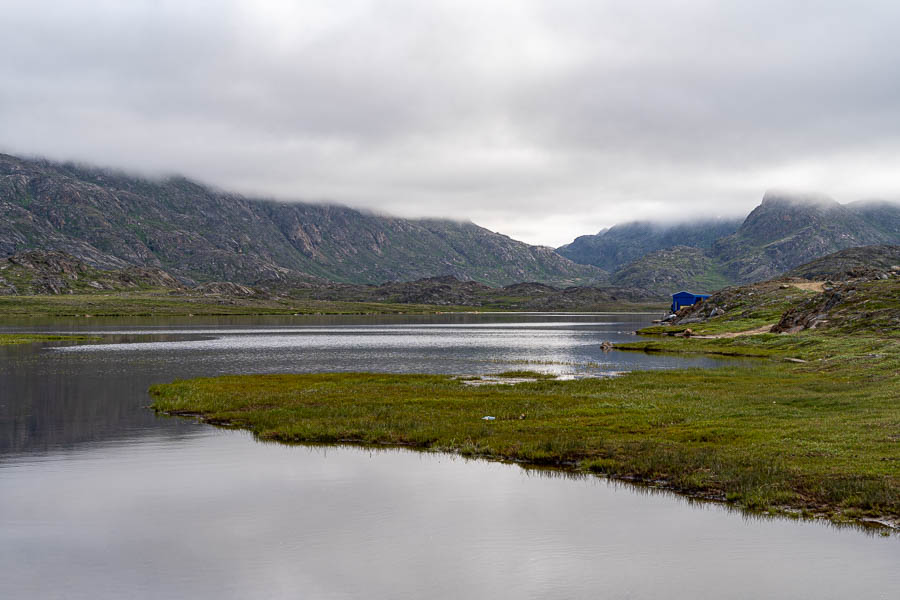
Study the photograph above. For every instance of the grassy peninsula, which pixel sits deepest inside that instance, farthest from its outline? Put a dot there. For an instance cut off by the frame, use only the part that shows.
(811, 426)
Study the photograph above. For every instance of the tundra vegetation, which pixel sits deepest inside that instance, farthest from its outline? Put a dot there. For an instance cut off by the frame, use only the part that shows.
(809, 426)
(10, 339)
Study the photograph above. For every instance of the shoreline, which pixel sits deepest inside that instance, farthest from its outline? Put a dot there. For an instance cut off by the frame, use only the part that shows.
(873, 524)
(720, 442)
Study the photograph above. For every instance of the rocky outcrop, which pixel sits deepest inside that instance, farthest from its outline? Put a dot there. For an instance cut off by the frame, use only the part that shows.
(866, 262)
(813, 313)
(51, 272)
(227, 288)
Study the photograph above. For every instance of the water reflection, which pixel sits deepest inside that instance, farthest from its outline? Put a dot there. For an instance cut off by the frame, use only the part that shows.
(220, 516)
(58, 397)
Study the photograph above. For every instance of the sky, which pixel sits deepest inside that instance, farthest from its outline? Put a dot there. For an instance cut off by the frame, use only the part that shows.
(543, 120)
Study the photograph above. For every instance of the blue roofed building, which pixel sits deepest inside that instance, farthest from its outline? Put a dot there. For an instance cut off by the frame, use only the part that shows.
(686, 299)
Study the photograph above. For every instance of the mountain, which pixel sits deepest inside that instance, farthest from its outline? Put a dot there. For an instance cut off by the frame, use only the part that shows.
(619, 245)
(852, 263)
(785, 231)
(112, 220)
(671, 270)
(883, 216)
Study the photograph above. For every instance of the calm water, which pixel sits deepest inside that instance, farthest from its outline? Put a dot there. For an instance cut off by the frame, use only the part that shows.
(101, 499)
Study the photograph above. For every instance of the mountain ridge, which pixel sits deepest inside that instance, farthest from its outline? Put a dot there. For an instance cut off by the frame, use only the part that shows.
(197, 233)
(784, 231)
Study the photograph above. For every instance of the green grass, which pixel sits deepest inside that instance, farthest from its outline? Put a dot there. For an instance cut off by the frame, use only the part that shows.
(822, 437)
(10, 339)
(161, 303)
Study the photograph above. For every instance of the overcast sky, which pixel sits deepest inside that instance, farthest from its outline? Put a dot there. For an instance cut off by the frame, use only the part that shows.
(541, 120)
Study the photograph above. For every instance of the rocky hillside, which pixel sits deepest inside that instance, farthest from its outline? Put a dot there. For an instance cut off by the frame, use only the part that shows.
(784, 231)
(449, 290)
(196, 233)
(868, 300)
(852, 263)
(40, 272)
(671, 270)
(617, 246)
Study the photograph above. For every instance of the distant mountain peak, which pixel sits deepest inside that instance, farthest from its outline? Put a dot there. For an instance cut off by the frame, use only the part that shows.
(777, 197)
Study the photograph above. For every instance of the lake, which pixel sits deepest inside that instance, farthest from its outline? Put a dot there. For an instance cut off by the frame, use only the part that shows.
(99, 498)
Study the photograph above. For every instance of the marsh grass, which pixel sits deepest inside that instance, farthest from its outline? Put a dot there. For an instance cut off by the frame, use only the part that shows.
(9, 339)
(524, 374)
(162, 303)
(165, 303)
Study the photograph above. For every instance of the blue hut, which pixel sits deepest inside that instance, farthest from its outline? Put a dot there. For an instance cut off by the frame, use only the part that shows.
(686, 299)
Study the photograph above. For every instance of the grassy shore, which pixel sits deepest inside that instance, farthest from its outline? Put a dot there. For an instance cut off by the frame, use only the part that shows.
(815, 438)
(137, 304)
(10, 339)
(164, 303)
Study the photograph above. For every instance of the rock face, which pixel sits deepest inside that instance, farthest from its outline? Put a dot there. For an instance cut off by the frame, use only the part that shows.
(111, 221)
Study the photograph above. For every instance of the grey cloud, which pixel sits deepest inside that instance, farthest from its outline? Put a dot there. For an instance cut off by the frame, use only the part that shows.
(544, 120)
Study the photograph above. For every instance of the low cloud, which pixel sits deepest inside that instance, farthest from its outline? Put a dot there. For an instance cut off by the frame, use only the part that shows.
(542, 120)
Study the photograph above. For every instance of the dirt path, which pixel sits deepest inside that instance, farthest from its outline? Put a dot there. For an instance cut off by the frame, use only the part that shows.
(812, 286)
(734, 334)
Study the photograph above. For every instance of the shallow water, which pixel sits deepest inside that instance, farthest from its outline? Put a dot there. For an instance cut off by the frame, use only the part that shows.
(101, 499)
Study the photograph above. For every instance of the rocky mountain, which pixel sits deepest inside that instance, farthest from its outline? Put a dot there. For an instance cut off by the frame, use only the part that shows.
(852, 263)
(883, 216)
(784, 231)
(671, 270)
(617, 246)
(196, 233)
